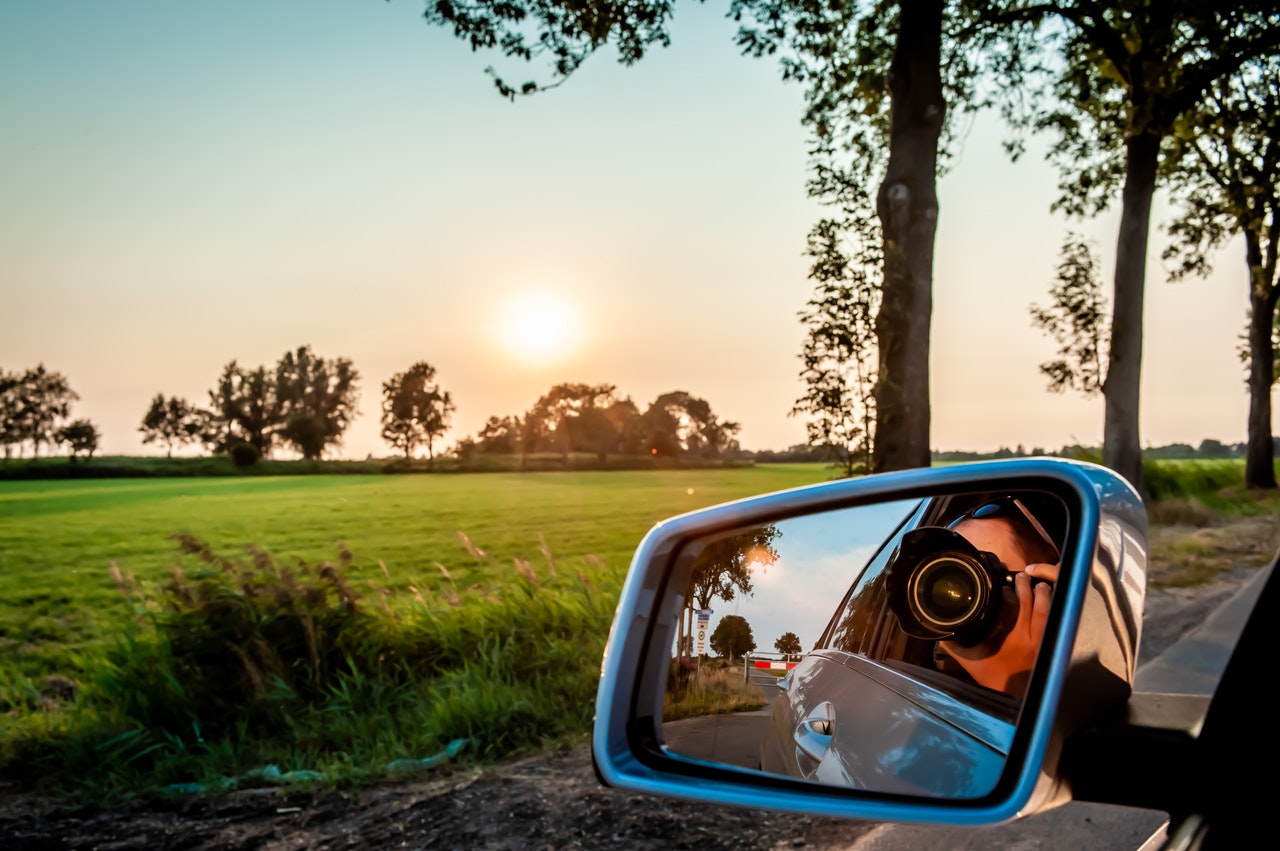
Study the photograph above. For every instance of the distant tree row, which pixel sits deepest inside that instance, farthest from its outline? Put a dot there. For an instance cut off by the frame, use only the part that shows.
(594, 418)
(35, 411)
(1208, 448)
(306, 402)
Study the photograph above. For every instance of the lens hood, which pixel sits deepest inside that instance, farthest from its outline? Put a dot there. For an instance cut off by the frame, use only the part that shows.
(943, 587)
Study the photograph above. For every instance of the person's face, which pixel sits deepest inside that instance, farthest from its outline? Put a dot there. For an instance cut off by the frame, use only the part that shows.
(995, 535)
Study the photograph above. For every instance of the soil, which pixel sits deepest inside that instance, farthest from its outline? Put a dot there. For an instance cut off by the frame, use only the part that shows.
(552, 801)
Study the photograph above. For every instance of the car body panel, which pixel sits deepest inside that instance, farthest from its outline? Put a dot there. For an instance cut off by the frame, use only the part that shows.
(883, 730)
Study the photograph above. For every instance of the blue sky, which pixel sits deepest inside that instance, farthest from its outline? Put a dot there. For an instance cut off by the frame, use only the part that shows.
(186, 184)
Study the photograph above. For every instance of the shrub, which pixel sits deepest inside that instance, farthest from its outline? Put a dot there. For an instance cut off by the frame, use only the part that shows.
(240, 641)
(245, 454)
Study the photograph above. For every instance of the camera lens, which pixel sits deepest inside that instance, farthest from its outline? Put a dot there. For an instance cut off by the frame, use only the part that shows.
(942, 587)
(947, 592)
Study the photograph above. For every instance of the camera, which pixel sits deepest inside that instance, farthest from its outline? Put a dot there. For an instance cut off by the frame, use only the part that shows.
(943, 587)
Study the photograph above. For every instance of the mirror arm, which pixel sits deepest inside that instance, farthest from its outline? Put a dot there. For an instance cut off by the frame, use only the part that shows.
(1138, 755)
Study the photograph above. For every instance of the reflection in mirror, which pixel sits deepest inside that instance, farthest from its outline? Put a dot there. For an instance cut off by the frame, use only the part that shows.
(885, 647)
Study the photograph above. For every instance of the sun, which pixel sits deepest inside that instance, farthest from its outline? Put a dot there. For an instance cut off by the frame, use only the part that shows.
(540, 327)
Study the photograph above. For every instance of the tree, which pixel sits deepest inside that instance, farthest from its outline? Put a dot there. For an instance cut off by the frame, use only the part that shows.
(10, 396)
(788, 644)
(565, 33)
(415, 411)
(1075, 320)
(245, 407)
(565, 412)
(1230, 179)
(678, 423)
(499, 436)
(80, 436)
(838, 354)
(317, 398)
(1211, 448)
(732, 637)
(173, 422)
(882, 81)
(623, 415)
(1130, 73)
(723, 570)
(41, 400)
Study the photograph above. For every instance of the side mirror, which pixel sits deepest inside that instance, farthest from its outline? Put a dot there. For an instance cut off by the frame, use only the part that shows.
(919, 676)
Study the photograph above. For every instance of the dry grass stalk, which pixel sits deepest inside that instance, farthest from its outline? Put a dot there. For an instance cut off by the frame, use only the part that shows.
(546, 552)
(525, 569)
(476, 553)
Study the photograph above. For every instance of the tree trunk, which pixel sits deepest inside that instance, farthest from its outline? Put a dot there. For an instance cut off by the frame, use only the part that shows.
(907, 205)
(1259, 465)
(1121, 450)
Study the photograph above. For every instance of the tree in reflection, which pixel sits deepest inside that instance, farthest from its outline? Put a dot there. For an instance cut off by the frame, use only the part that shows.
(733, 637)
(788, 644)
(723, 570)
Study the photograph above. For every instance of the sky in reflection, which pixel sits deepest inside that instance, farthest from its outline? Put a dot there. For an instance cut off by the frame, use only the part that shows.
(819, 555)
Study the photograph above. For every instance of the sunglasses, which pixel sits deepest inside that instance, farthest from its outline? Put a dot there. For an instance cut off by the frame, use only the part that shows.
(1010, 508)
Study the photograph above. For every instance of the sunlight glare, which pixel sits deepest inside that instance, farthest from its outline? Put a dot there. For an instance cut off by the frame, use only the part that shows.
(540, 327)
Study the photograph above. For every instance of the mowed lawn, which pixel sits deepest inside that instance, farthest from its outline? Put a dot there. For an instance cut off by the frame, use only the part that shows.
(58, 539)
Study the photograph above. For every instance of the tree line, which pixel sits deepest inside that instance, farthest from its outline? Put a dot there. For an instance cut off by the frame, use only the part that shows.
(311, 400)
(35, 411)
(306, 402)
(1131, 96)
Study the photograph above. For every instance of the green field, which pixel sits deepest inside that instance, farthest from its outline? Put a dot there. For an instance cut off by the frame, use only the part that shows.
(58, 539)
(461, 611)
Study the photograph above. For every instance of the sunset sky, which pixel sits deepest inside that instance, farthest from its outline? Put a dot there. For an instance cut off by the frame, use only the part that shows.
(186, 184)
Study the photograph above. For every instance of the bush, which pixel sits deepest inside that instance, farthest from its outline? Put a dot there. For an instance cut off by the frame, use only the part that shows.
(245, 454)
(238, 642)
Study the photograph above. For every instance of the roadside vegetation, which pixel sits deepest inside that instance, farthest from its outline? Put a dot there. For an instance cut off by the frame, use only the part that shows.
(202, 634)
(714, 687)
(196, 635)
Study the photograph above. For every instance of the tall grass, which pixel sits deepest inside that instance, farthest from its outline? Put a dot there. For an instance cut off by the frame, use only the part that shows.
(711, 688)
(246, 670)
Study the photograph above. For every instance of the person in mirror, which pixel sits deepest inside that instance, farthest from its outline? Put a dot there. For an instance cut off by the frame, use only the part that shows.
(1005, 527)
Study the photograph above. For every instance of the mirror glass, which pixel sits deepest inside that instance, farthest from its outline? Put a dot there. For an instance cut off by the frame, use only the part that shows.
(884, 647)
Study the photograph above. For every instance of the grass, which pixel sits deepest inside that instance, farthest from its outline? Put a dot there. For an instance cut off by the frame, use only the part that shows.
(59, 539)
(712, 688)
(180, 634)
